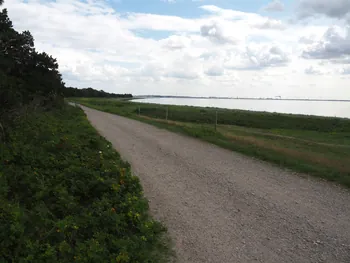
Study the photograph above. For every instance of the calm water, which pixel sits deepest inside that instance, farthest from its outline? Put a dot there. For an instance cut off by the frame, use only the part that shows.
(319, 108)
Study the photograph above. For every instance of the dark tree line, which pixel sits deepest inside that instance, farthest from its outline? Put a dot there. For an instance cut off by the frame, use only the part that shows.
(26, 76)
(92, 93)
(30, 79)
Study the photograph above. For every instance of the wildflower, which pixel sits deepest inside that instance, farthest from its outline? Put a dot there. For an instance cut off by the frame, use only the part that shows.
(113, 209)
(58, 230)
(100, 152)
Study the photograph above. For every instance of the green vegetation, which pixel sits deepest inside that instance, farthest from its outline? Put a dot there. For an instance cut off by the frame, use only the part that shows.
(91, 93)
(65, 194)
(27, 78)
(318, 146)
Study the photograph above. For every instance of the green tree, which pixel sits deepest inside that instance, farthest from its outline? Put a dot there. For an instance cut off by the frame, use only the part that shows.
(26, 76)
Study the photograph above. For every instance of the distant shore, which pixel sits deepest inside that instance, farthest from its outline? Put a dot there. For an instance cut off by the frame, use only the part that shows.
(235, 98)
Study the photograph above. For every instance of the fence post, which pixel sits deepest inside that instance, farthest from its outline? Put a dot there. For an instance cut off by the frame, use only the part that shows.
(167, 111)
(216, 120)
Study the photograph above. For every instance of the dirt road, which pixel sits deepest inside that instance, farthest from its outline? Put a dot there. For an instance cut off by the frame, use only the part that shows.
(220, 206)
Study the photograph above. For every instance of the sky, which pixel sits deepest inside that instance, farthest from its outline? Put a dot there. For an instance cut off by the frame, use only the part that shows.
(239, 48)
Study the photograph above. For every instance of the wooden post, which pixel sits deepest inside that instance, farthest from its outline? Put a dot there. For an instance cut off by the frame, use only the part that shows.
(167, 111)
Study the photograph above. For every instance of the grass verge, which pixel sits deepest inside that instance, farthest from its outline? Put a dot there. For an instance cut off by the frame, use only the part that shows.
(316, 145)
(66, 196)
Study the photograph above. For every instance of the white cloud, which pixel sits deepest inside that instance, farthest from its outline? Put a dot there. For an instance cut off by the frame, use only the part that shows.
(343, 61)
(334, 8)
(229, 13)
(335, 43)
(345, 71)
(224, 52)
(271, 24)
(314, 71)
(215, 33)
(182, 74)
(176, 42)
(274, 6)
(257, 57)
(307, 39)
(160, 22)
(215, 71)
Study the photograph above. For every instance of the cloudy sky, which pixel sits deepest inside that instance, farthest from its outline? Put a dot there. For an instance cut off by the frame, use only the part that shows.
(256, 48)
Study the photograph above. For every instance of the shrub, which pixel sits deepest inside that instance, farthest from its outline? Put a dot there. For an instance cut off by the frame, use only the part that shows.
(66, 196)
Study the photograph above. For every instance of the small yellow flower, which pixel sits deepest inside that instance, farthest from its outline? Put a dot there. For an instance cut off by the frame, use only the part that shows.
(58, 230)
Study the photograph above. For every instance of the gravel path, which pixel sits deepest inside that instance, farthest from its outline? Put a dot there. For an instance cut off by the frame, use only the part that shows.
(220, 206)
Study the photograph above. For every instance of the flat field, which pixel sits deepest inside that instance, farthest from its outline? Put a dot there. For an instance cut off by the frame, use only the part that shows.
(318, 146)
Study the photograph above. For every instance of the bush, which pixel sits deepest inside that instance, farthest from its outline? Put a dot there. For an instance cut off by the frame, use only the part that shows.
(66, 196)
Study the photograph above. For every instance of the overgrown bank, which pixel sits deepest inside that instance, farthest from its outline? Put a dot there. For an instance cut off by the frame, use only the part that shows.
(314, 145)
(66, 196)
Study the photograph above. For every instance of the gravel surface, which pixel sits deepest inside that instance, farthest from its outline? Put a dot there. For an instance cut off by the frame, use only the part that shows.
(220, 206)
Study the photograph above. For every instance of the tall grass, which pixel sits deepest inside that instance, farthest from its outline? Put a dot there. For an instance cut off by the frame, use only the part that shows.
(309, 144)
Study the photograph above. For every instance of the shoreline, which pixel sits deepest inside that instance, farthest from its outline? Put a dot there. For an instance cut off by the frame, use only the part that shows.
(140, 101)
(233, 98)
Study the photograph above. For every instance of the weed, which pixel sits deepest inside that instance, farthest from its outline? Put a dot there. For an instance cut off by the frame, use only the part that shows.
(66, 196)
